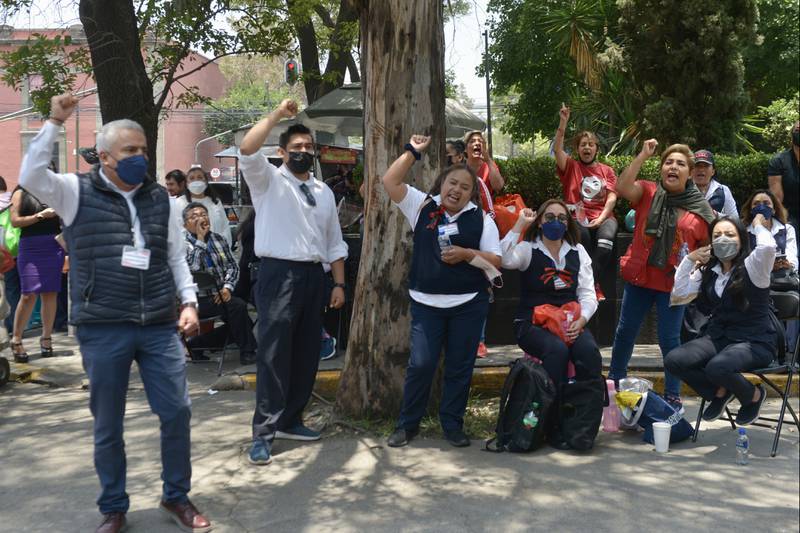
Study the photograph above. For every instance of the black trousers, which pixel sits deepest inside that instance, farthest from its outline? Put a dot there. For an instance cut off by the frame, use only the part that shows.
(706, 365)
(554, 352)
(599, 244)
(238, 323)
(289, 298)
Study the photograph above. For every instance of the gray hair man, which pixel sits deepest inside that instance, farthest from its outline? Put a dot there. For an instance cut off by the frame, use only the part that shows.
(126, 264)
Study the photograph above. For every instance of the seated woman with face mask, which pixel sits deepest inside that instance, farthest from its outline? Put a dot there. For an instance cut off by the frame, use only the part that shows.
(454, 244)
(554, 269)
(733, 282)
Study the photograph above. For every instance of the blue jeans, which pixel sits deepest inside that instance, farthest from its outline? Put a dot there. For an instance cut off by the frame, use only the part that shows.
(108, 351)
(458, 329)
(636, 303)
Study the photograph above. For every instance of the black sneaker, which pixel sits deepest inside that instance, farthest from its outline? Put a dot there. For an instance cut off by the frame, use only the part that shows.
(716, 407)
(749, 413)
(401, 437)
(457, 438)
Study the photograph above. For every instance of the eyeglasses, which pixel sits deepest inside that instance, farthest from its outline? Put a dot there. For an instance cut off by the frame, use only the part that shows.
(549, 217)
(309, 197)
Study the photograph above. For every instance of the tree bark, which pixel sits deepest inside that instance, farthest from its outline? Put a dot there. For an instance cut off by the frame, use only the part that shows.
(402, 53)
(124, 89)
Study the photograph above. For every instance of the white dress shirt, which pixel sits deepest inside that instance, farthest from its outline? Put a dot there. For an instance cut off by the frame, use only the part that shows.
(411, 206)
(517, 256)
(758, 265)
(287, 226)
(62, 193)
(216, 215)
(790, 254)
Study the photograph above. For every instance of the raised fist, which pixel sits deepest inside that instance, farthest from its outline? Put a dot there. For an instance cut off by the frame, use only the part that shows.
(287, 108)
(62, 106)
(420, 142)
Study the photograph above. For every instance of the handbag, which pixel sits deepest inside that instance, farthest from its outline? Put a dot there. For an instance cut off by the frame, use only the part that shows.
(11, 234)
(784, 280)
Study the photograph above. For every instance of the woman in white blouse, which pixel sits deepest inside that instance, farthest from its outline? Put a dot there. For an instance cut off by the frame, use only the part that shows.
(454, 242)
(554, 269)
(733, 283)
(197, 190)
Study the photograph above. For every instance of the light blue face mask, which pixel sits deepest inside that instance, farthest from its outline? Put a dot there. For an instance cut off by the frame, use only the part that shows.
(132, 170)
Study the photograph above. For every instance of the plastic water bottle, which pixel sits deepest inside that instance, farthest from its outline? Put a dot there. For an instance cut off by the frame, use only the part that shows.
(530, 419)
(742, 448)
(444, 240)
(611, 414)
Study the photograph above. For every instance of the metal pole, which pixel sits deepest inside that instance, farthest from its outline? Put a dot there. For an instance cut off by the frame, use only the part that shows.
(488, 98)
(77, 137)
(201, 141)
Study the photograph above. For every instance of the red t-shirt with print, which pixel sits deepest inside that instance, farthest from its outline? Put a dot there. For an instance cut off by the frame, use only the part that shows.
(589, 184)
(692, 230)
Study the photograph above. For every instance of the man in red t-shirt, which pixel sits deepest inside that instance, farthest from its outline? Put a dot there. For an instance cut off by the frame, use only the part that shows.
(589, 189)
(481, 163)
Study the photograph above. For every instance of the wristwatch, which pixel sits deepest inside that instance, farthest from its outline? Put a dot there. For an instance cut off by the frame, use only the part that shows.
(339, 285)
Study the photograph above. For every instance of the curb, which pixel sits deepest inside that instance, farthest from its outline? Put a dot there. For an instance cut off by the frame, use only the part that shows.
(489, 380)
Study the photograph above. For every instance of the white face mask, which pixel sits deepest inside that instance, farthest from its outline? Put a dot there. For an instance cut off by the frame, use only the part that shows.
(197, 187)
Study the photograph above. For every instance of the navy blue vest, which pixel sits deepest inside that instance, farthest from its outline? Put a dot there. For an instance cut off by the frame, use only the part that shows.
(102, 290)
(538, 286)
(431, 275)
(717, 200)
(780, 241)
(731, 324)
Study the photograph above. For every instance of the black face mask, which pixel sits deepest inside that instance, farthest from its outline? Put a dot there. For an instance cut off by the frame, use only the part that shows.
(300, 162)
(796, 137)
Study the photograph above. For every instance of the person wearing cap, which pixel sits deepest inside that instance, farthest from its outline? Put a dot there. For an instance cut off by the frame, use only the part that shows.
(589, 188)
(718, 195)
(783, 175)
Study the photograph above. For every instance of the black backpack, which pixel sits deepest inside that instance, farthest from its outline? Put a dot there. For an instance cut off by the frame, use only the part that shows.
(580, 410)
(525, 404)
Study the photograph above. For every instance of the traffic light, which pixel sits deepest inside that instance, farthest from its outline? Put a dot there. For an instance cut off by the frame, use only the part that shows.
(291, 71)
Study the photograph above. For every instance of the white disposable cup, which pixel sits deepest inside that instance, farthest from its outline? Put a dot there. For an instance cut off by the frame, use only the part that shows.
(661, 431)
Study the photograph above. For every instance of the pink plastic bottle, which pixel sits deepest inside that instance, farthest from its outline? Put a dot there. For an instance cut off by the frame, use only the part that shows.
(611, 414)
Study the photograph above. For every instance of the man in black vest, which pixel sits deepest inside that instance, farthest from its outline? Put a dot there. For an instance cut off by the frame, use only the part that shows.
(126, 263)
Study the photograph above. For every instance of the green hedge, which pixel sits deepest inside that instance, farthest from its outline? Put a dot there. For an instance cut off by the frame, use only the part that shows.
(536, 180)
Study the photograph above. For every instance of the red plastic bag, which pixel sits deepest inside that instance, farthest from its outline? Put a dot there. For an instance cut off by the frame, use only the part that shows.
(506, 212)
(7, 261)
(554, 319)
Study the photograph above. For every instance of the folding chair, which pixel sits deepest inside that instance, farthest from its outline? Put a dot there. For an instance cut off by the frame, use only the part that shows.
(787, 306)
(207, 284)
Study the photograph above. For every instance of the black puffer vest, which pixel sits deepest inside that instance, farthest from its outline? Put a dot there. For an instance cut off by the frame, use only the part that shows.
(102, 290)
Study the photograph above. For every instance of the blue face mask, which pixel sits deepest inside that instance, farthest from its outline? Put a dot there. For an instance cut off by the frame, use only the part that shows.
(132, 170)
(762, 209)
(554, 230)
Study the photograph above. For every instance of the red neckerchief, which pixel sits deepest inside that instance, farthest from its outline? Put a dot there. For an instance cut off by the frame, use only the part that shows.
(435, 216)
(550, 273)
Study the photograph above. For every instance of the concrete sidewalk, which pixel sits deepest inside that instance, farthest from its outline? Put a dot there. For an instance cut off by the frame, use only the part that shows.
(353, 482)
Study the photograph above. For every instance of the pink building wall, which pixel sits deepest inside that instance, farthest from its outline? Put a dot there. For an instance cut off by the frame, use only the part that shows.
(178, 131)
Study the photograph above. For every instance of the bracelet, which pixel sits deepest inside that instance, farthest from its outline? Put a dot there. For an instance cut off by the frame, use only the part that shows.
(339, 285)
(413, 151)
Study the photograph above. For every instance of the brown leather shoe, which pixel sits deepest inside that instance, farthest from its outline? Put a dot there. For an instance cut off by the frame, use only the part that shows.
(186, 516)
(113, 523)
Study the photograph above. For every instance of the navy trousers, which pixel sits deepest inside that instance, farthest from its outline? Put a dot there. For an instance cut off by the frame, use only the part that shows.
(108, 351)
(459, 330)
(289, 298)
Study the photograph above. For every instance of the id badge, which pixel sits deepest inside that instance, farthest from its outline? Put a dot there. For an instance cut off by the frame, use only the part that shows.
(450, 229)
(138, 258)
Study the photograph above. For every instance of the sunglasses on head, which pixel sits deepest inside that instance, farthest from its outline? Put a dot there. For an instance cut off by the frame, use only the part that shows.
(549, 217)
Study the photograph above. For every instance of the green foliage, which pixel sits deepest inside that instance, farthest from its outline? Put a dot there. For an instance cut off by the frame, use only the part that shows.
(536, 179)
(779, 117)
(772, 61)
(687, 75)
(48, 63)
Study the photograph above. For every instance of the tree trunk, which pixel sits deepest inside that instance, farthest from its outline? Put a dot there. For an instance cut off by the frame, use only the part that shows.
(124, 89)
(402, 53)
